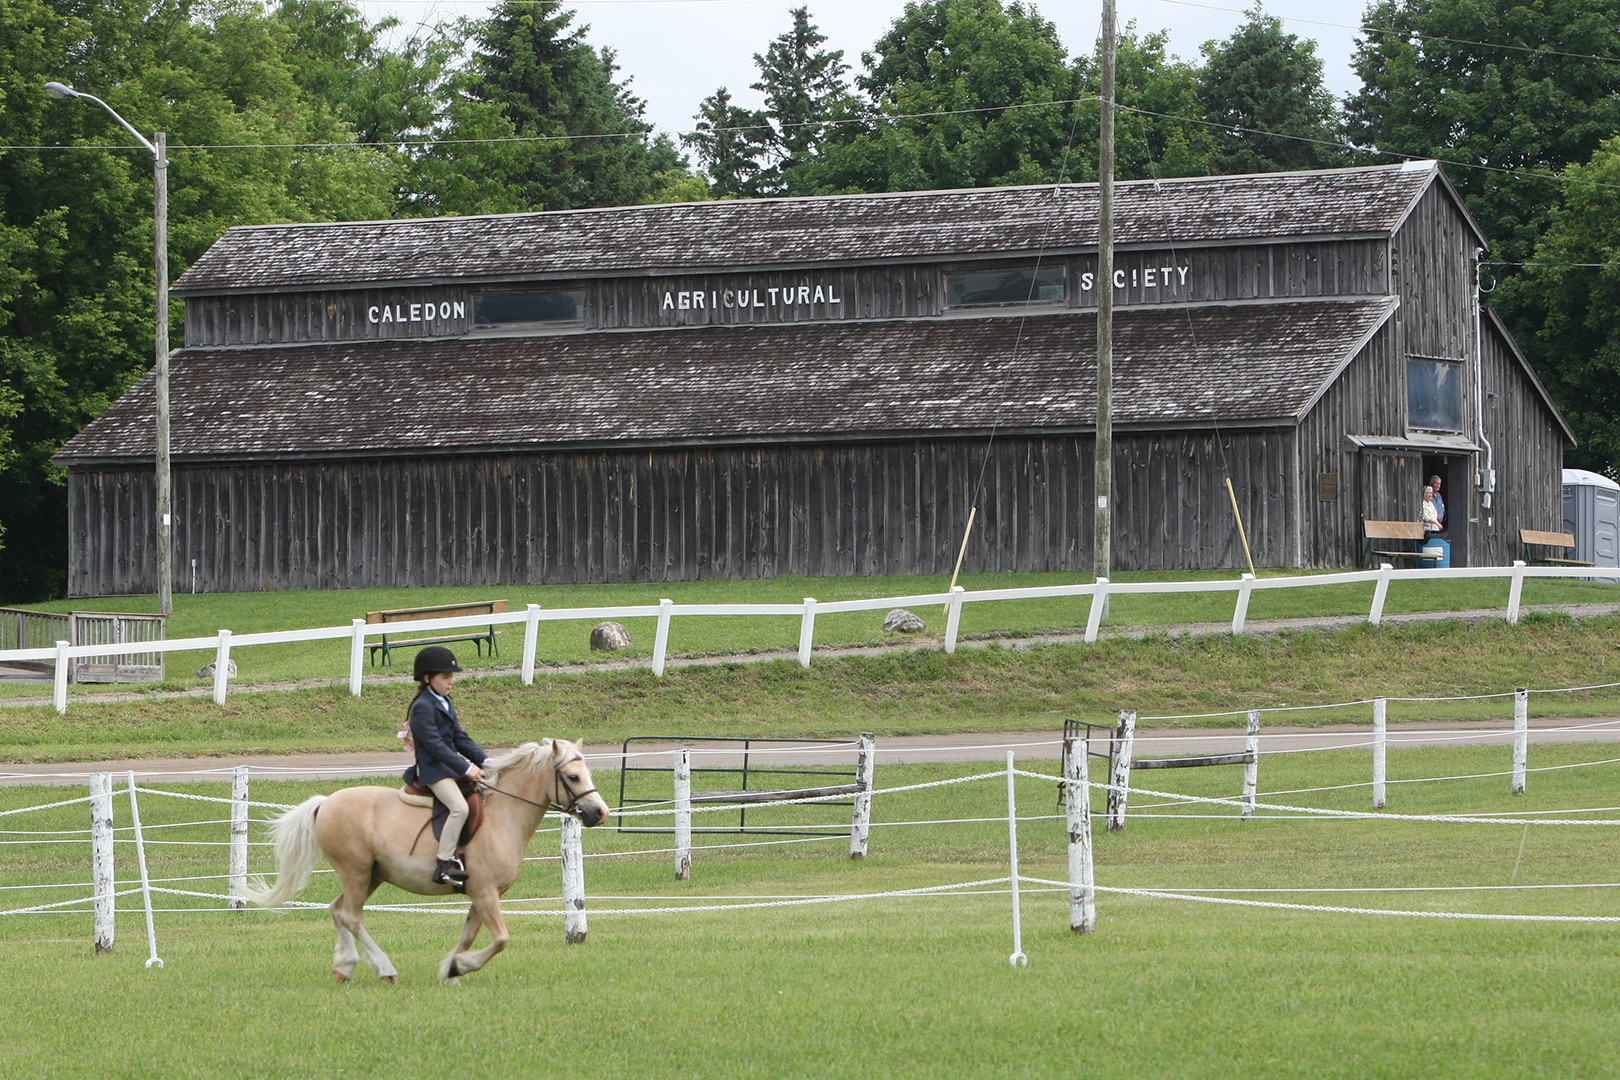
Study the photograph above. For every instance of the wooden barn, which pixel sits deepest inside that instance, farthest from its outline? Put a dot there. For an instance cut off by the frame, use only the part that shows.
(824, 386)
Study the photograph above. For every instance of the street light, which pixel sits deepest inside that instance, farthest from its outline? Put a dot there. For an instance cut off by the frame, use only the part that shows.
(160, 169)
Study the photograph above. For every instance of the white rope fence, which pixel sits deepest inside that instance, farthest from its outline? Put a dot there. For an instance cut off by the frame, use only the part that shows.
(104, 891)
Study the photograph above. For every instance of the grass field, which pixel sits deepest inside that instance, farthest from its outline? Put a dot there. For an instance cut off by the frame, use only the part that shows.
(916, 691)
(891, 986)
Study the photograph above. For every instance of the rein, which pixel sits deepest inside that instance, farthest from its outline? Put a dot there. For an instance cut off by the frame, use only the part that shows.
(575, 797)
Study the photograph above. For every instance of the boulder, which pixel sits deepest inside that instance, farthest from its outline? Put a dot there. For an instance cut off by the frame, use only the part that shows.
(902, 621)
(609, 637)
(207, 671)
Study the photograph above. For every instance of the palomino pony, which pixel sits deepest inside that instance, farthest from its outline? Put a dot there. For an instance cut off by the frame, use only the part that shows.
(370, 835)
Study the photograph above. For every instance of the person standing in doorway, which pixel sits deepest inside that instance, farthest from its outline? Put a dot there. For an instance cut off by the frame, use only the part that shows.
(1439, 501)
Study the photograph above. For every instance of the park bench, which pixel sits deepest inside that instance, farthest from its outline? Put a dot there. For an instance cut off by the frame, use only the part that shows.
(1383, 536)
(440, 611)
(1562, 541)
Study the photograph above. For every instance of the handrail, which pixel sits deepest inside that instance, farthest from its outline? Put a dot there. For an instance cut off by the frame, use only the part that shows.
(665, 611)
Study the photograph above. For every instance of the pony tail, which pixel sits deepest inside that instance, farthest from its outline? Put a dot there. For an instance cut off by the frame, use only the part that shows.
(296, 850)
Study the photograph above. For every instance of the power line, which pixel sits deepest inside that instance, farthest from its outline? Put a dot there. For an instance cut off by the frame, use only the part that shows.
(429, 141)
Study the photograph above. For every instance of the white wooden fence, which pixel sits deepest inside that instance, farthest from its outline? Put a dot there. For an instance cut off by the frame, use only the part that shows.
(665, 611)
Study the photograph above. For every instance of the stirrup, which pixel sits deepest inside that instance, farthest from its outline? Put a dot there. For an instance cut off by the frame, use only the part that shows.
(450, 872)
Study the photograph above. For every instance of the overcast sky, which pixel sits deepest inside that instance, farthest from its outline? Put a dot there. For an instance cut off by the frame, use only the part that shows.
(680, 51)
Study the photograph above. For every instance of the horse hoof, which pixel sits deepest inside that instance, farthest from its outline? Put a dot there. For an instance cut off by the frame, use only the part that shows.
(389, 978)
(338, 976)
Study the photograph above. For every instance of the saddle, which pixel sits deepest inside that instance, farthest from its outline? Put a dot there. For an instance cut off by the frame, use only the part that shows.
(415, 794)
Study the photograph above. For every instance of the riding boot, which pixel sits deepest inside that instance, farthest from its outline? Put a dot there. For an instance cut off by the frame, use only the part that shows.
(450, 872)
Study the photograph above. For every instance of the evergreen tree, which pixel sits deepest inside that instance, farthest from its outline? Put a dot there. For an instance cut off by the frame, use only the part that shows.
(1265, 88)
(729, 142)
(804, 88)
(549, 85)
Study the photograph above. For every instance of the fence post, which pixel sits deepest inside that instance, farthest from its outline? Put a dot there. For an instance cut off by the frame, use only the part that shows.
(1521, 737)
(1099, 604)
(661, 640)
(146, 881)
(357, 652)
(953, 618)
(1017, 958)
(101, 859)
(1515, 591)
(861, 820)
(1077, 794)
(807, 631)
(59, 678)
(573, 871)
(683, 815)
(1241, 612)
(1119, 780)
(531, 642)
(1251, 768)
(222, 660)
(1380, 747)
(239, 836)
(1380, 592)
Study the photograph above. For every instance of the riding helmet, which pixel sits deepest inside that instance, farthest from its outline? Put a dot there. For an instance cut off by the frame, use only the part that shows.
(435, 658)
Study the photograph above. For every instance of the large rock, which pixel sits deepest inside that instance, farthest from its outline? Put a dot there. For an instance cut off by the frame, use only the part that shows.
(902, 621)
(609, 637)
(207, 671)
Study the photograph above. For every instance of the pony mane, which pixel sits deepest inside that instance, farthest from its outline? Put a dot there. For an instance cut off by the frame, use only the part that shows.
(529, 756)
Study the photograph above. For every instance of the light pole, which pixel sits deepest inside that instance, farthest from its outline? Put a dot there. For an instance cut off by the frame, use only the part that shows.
(160, 221)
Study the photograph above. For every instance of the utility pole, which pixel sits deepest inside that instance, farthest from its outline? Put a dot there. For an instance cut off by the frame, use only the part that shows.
(165, 528)
(1103, 519)
(160, 371)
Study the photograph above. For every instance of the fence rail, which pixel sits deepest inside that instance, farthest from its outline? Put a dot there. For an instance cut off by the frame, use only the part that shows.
(665, 611)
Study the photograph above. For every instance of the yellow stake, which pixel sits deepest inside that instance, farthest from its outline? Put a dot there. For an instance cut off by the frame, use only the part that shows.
(1241, 534)
(960, 555)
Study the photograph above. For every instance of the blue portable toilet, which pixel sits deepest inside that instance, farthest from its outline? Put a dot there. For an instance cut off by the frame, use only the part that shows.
(1592, 516)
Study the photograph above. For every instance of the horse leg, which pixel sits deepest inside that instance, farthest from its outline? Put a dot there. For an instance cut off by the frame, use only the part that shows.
(347, 911)
(451, 967)
(486, 908)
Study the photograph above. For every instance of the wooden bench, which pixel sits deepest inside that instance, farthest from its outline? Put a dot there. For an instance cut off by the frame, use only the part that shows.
(441, 611)
(1529, 538)
(1381, 537)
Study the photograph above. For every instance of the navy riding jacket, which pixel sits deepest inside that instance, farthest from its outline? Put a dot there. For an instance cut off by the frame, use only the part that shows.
(443, 750)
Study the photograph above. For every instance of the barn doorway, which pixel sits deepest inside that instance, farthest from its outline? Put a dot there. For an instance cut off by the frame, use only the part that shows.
(1452, 469)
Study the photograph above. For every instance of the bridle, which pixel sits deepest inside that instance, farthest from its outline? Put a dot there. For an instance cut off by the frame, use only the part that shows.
(562, 785)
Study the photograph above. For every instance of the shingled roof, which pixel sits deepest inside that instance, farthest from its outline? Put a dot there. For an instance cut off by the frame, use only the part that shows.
(740, 234)
(1236, 364)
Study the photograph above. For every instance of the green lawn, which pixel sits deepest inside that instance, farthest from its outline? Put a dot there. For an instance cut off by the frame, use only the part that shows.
(890, 986)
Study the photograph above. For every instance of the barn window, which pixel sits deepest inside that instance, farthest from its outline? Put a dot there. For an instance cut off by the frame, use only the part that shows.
(1004, 286)
(527, 310)
(1434, 394)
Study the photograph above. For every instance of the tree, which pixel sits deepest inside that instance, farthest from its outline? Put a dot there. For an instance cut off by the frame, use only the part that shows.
(961, 94)
(546, 84)
(804, 89)
(1265, 88)
(1573, 304)
(1513, 86)
(729, 142)
(76, 232)
(1156, 129)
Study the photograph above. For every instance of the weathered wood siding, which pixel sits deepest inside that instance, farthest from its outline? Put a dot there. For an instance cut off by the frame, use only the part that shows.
(1357, 267)
(686, 514)
(1368, 398)
(1529, 450)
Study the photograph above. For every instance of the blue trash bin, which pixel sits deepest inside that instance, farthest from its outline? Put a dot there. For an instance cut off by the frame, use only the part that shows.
(1431, 544)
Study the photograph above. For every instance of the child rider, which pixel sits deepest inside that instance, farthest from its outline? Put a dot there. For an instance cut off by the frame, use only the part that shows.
(444, 752)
